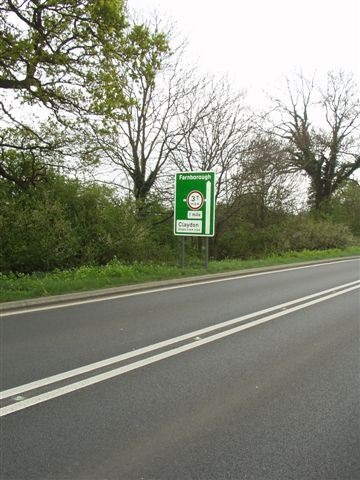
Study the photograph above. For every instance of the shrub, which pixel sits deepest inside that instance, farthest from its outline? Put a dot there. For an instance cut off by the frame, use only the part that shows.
(296, 233)
(305, 233)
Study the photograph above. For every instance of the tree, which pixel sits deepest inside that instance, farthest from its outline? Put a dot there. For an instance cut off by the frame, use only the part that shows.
(47, 48)
(262, 183)
(328, 152)
(215, 130)
(139, 148)
(218, 138)
(58, 64)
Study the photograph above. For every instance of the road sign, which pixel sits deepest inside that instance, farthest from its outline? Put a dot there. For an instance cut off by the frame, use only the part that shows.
(194, 210)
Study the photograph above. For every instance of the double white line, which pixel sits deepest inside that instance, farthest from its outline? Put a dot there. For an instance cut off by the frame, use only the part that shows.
(15, 399)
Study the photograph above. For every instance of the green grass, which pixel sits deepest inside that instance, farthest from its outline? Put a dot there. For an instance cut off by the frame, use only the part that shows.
(115, 273)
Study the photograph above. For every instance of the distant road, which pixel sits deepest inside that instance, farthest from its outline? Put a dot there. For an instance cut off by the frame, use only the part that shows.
(255, 377)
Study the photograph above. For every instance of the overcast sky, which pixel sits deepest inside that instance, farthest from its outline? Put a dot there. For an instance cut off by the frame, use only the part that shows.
(257, 42)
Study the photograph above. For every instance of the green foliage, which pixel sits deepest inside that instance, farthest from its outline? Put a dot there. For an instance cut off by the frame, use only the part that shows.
(56, 40)
(67, 60)
(35, 236)
(292, 233)
(115, 273)
(344, 207)
(254, 230)
(305, 233)
(62, 223)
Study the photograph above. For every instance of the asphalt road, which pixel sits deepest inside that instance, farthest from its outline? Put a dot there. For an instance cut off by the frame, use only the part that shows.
(248, 378)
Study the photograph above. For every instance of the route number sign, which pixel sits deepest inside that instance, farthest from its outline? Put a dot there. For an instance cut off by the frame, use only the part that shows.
(194, 209)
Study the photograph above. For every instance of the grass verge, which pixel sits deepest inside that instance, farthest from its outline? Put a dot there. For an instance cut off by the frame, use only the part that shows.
(115, 273)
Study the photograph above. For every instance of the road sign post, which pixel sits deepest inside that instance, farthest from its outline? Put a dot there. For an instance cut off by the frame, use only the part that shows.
(182, 253)
(194, 209)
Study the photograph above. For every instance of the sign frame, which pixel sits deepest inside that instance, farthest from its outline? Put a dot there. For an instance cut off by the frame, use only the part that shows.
(192, 219)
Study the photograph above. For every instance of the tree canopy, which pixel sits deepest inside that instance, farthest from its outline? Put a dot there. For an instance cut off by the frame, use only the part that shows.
(47, 48)
(59, 69)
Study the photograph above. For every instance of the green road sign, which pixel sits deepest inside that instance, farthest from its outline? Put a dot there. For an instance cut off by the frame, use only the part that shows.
(194, 211)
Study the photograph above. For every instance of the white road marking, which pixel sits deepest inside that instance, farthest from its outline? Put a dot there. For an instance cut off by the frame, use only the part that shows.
(165, 289)
(156, 346)
(207, 207)
(161, 356)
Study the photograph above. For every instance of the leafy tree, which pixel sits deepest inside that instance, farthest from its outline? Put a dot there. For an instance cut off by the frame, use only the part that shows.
(47, 47)
(58, 73)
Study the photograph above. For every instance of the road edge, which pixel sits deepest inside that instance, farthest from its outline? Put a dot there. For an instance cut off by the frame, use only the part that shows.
(7, 307)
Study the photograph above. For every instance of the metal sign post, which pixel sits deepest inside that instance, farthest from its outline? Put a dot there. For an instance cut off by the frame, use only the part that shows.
(182, 253)
(206, 253)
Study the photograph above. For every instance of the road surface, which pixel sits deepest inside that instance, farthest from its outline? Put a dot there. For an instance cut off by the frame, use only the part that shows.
(255, 377)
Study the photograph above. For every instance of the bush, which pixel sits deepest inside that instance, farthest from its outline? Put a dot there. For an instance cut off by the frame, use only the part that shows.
(296, 233)
(63, 224)
(304, 233)
(35, 235)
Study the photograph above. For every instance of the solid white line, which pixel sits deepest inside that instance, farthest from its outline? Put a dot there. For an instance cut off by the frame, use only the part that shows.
(165, 289)
(208, 208)
(156, 346)
(156, 358)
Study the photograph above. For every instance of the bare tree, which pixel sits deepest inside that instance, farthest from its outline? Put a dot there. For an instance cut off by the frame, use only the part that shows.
(322, 132)
(263, 181)
(219, 137)
(141, 145)
(215, 141)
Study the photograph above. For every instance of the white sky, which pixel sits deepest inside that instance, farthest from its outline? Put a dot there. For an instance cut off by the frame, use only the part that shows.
(257, 42)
